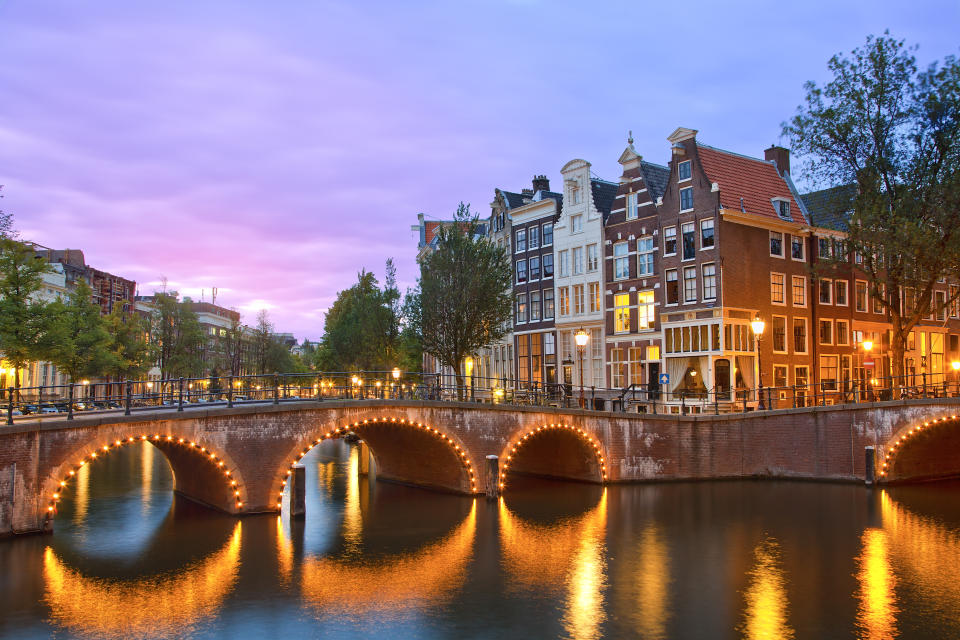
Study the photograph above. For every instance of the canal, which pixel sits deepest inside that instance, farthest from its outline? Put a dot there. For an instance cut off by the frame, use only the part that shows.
(754, 559)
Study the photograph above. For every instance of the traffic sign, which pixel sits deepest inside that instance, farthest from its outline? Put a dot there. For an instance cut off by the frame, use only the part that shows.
(664, 378)
(868, 363)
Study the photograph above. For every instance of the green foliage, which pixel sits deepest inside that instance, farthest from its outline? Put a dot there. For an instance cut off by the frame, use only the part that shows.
(894, 133)
(132, 354)
(362, 329)
(178, 337)
(26, 321)
(82, 345)
(463, 298)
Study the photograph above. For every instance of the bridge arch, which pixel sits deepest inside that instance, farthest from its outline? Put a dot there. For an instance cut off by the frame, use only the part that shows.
(924, 450)
(455, 471)
(557, 450)
(200, 472)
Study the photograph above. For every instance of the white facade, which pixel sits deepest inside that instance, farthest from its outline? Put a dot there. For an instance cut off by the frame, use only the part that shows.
(578, 269)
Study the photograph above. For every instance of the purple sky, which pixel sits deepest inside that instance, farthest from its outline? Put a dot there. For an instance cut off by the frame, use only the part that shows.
(273, 149)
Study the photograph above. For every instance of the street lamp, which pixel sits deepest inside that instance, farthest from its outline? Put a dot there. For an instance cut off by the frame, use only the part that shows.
(758, 326)
(867, 346)
(396, 378)
(581, 338)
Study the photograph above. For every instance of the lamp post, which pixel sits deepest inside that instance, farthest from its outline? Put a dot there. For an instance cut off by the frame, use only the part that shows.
(468, 366)
(867, 346)
(581, 338)
(758, 326)
(396, 378)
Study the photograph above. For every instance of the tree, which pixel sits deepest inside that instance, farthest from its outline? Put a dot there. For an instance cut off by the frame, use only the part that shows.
(232, 348)
(82, 345)
(131, 351)
(178, 336)
(260, 343)
(894, 133)
(26, 330)
(463, 297)
(361, 329)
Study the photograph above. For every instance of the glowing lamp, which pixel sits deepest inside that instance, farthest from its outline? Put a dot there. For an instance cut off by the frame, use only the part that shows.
(396, 373)
(867, 345)
(956, 365)
(758, 325)
(581, 338)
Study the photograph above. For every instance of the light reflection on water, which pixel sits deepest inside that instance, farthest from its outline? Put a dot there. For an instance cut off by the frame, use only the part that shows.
(725, 560)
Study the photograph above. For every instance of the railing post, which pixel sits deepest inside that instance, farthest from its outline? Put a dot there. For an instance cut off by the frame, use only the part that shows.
(180, 399)
(230, 391)
(126, 410)
(276, 388)
(924, 374)
(10, 392)
(70, 401)
(716, 402)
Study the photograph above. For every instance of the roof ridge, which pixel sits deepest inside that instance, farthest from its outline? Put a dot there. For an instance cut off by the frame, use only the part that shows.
(734, 153)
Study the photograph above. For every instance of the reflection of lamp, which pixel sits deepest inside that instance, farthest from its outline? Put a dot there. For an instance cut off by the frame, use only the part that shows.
(581, 338)
(758, 326)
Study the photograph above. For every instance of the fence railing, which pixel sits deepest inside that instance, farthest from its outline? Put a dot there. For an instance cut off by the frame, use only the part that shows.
(179, 394)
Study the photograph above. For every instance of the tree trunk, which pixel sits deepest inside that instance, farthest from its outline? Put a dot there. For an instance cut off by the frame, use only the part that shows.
(461, 385)
(898, 348)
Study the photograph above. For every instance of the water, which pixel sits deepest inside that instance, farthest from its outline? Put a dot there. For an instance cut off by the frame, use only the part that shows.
(552, 560)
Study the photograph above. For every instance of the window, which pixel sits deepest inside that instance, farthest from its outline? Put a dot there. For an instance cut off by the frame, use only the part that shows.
(548, 265)
(564, 263)
(842, 331)
(547, 233)
(576, 223)
(688, 232)
(521, 243)
(709, 281)
(594, 294)
(534, 264)
(777, 288)
(564, 301)
(670, 241)
(621, 261)
(877, 304)
(523, 357)
(521, 270)
(548, 304)
(801, 375)
(796, 248)
(683, 171)
(823, 248)
(521, 308)
(621, 313)
(645, 256)
(799, 335)
(635, 354)
(779, 334)
(617, 366)
(783, 209)
(577, 260)
(776, 244)
(673, 287)
(799, 290)
(632, 211)
(826, 332)
(828, 373)
(954, 302)
(533, 237)
(706, 234)
(690, 284)
(645, 307)
(593, 258)
(575, 194)
(686, 199)
(780, 376)
(578, 307)
(534, 306)
(860, 291)
(826, 291)
(840, 298)
(940, 305)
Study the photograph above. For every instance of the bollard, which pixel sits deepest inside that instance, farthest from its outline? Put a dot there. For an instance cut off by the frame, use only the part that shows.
(493, 477)
(870, 466)
(298, 492)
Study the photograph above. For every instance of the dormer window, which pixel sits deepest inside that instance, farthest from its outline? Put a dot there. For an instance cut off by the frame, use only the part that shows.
(575, 193)
(632, 212)
(683, 171)
(782, 207)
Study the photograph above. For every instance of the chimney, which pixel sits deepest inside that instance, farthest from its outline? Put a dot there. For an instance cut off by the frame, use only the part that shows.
(541, 183)
(780, 157)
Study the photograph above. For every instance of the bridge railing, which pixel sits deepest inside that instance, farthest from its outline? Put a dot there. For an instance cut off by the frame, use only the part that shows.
(689, 397)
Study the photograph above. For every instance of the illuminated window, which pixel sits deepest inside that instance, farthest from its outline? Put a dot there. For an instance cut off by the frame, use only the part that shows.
(621, 313)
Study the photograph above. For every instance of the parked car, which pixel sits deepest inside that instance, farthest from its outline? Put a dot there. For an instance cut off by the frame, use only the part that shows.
(30, 408)
(239, 398)
(82, 406)
(49, 409)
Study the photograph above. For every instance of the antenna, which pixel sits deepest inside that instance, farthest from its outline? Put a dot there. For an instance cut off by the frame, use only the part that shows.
(213, 296)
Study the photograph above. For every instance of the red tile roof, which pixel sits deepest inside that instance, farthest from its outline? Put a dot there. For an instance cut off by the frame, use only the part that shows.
(430, 230)
(754, 180)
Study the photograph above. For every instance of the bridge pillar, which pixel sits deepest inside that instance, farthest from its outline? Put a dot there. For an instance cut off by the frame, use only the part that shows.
(493, 477)
(870, 465)
(367, 466)
(298, 492)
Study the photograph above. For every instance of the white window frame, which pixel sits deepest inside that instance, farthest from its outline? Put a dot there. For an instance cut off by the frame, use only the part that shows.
(624, 259)
(823, 322)
(689, 166)
(596, 257)
(633, 212)
(680, 199)
(713, 279)
(828, 289)
(786, 335)
(684, 228)
(836, 333)
(866, 297)
(783, 248)
(793, 303)
(803, 249)
(783, 283)
(520, 233)
(846, 293)
(666, 239)
(641, 255)
(712, 225)
(687, 270)
(543, 242)
(618, 310)
(806, 336)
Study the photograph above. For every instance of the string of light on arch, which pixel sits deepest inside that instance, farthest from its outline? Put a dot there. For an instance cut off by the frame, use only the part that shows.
(208, 455)
(342, 431)
(577, 431)
(899, 442)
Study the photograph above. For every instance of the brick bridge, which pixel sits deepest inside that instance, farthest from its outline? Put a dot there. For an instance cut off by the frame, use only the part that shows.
(239, 459)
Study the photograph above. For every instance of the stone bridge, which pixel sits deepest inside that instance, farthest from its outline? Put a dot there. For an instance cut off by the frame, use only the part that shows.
(239, 459)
